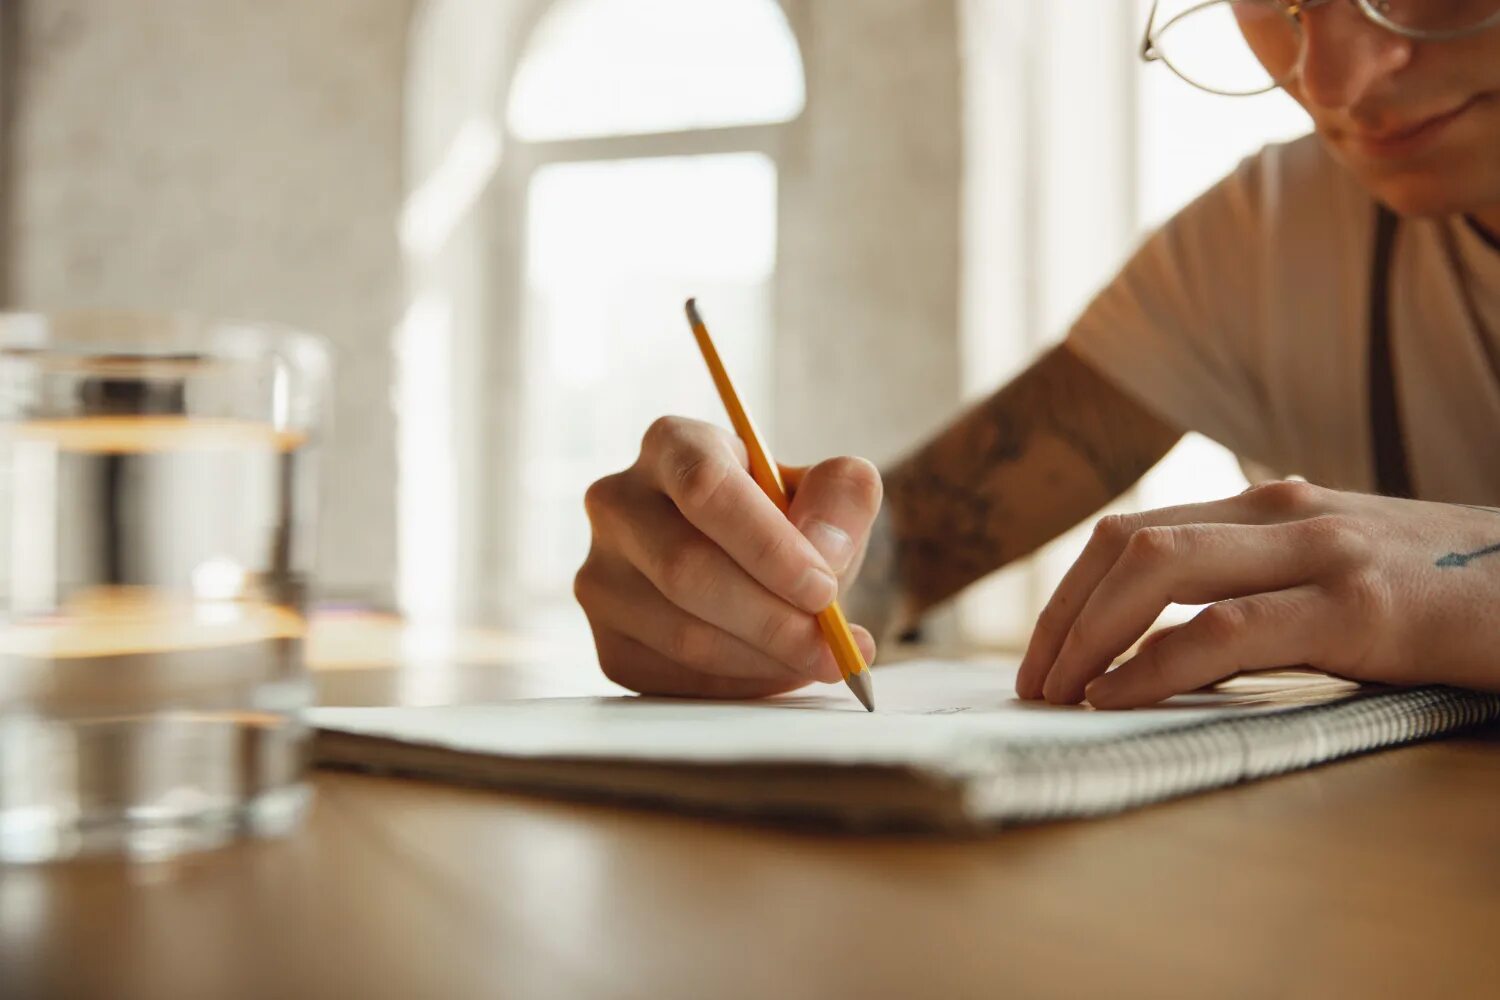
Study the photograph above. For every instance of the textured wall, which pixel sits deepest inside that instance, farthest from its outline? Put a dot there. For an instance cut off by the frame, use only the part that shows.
(235, 158)
(869, 269)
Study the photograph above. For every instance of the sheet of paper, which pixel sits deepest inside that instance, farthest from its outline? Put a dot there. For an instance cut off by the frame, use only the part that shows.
(928, 713)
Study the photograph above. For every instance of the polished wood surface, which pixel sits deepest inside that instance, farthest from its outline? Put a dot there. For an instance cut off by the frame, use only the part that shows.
(1378, 876)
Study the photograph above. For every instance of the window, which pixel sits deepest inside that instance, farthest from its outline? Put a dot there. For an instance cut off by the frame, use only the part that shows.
(1075, 150)
(625, 67)
(617, 236)
(612, 250)
(1187, 141)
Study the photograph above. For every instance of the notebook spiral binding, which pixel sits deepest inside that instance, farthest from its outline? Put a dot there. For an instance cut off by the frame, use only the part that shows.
(1080, 778)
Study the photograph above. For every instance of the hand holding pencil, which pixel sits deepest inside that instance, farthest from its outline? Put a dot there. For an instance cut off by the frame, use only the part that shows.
(698, 584)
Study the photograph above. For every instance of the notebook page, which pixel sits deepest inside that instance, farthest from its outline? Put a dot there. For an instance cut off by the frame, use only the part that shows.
(929, 713)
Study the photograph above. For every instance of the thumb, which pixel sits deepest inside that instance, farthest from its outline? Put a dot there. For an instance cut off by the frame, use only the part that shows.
(833, 505)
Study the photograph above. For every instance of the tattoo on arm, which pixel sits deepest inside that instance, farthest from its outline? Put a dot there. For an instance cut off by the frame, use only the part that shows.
(1459, 560)
(1047, 450)
(1462, 559)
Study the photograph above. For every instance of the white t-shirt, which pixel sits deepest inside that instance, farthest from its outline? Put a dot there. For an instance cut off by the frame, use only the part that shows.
(1245, 318)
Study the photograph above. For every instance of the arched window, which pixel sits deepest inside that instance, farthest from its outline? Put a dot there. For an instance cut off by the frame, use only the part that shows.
(645, 134)
(626, 67)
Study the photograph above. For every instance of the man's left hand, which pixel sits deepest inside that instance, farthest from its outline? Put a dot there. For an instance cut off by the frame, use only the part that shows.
(1365, 587)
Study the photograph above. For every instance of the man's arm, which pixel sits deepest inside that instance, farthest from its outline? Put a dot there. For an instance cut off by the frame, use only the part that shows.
(1053, 446)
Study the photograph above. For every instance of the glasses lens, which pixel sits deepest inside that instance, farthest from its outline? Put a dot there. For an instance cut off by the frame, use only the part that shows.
(1438, 16)
(1232, 46)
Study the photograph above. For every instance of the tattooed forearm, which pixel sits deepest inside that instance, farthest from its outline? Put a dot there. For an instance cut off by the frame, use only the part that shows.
(876, 599)
(1047, 450)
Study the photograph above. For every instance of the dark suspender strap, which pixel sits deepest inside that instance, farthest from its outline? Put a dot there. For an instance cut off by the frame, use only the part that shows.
(1392, 473)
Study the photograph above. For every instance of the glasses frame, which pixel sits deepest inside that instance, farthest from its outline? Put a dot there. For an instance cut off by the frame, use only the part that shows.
(1293, 12)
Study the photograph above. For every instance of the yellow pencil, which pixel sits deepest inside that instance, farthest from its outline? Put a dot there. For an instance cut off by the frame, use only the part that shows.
(766, 474)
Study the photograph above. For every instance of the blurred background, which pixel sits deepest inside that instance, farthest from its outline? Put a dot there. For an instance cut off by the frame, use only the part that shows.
(494, 208)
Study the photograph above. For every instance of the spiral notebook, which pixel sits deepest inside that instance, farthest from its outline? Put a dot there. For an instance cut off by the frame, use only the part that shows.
(950, 747)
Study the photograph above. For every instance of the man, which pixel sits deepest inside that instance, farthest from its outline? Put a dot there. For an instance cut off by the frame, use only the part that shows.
(1331, 309)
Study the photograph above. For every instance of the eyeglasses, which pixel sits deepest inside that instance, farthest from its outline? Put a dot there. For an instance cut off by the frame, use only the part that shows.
(1243, 47)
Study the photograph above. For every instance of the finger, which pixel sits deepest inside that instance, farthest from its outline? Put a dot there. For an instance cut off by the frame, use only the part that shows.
(698, 467)
(1159, 566)
(834, 505)
(638, 667)
(1157, 636)
(1272, 503)
(682, 568)
(1279, 629)
(1160, 635)
(620, 599)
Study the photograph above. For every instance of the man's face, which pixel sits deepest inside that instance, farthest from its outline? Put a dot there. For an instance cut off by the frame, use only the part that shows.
(1418, 124)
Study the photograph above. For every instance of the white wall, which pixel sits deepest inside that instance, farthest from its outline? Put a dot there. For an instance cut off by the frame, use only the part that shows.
(868, 356)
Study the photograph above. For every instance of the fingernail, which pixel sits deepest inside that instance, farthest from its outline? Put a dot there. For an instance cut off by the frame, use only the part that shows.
(1097, 689)
(816, 590)
(833, 544)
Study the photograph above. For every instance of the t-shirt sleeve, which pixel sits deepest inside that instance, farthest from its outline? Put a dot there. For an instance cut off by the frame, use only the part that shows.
(1177, 326)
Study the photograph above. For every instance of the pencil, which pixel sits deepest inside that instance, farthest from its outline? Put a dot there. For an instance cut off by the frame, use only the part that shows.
(767, 476)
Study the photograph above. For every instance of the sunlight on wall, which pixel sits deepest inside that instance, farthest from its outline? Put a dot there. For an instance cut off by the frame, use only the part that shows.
(613, 248)
(1188, 140)
(623, 67)
(426, 543)
(1081, 150)
(449, 193)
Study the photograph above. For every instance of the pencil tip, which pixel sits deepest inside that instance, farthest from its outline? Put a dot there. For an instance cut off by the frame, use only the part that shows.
(863, 690)
(692, 312)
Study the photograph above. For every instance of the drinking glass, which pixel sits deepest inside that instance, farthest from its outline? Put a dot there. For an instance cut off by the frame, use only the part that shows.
(157, 504)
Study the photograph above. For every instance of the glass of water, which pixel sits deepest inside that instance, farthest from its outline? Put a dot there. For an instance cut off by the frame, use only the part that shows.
(157, 504)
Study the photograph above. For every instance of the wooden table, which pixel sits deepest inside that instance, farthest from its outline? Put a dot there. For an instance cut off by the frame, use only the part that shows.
(1378, 876)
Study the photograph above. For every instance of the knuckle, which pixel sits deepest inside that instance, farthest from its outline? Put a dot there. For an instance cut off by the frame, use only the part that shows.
(1114, 530)
(1342, 538)
(664, 434)
(584, 587)
(860, 478)
(1223, 622)
(1149, 547)
(698, 477)
(1286, 496)
(600, 497)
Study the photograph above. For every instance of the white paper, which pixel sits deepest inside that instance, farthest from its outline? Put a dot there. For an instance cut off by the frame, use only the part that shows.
(928, 713)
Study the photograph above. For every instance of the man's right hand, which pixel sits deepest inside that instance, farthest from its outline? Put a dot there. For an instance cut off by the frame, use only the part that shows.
(696, 584)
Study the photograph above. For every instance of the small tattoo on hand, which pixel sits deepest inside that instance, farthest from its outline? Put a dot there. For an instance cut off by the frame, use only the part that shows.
(1462, 559)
